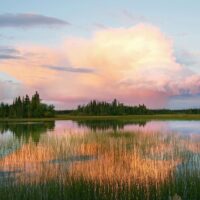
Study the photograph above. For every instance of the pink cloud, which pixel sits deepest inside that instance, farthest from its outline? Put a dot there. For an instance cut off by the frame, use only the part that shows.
(135, 65)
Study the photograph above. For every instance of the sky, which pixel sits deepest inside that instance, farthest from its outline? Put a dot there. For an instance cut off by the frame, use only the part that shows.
(138, 51)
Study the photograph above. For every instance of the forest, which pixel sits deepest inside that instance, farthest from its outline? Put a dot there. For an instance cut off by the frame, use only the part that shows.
(26, 107)
(116, 108)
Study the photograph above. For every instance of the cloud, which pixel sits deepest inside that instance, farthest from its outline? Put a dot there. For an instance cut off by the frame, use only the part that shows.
(26, 20)
(184, 101)
(70, 69)
(7, 53)
(9, 87)
(135, 59)
(100, 26)
(188, 58)
(135, 18)
(2, 36)
(4, 77)
(8, 57)
(135, 65)
(6, 49)
(9, 90)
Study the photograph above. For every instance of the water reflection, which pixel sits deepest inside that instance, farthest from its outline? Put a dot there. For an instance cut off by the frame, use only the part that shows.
(14, 135)
(26, 131)
(135, 154)
(105, 125)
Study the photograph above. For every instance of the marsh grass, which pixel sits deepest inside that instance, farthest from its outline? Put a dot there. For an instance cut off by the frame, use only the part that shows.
(103, 165)
(84, 189)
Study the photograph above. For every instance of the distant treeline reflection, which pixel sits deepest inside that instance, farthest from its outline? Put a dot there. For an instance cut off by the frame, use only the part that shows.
(103, 125)
(27, 131)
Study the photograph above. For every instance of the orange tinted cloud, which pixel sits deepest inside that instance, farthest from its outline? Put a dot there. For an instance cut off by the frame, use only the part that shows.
(135, 65)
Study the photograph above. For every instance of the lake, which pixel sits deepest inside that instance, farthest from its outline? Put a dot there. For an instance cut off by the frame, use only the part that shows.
(100, 159)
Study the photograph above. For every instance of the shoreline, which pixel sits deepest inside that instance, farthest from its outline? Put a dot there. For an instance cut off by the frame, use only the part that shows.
(119, 117)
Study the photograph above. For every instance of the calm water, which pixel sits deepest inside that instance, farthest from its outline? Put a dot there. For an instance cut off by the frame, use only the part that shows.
(100, 160)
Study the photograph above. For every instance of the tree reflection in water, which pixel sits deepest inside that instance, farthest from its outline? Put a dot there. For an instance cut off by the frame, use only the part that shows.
(105, 125)
(27, 130)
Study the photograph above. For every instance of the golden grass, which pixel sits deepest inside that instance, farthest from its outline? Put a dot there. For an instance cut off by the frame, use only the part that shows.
(136, 157)
(126, 167)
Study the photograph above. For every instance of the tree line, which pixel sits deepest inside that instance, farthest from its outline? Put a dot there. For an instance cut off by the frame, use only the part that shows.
(26, 107)
(114, 108)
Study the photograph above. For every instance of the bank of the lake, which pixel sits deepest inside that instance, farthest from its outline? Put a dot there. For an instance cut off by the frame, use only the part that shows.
(120, 117)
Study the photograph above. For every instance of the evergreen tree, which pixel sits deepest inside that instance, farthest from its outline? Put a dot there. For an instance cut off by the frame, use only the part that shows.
(115, 108)
(26, 108)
